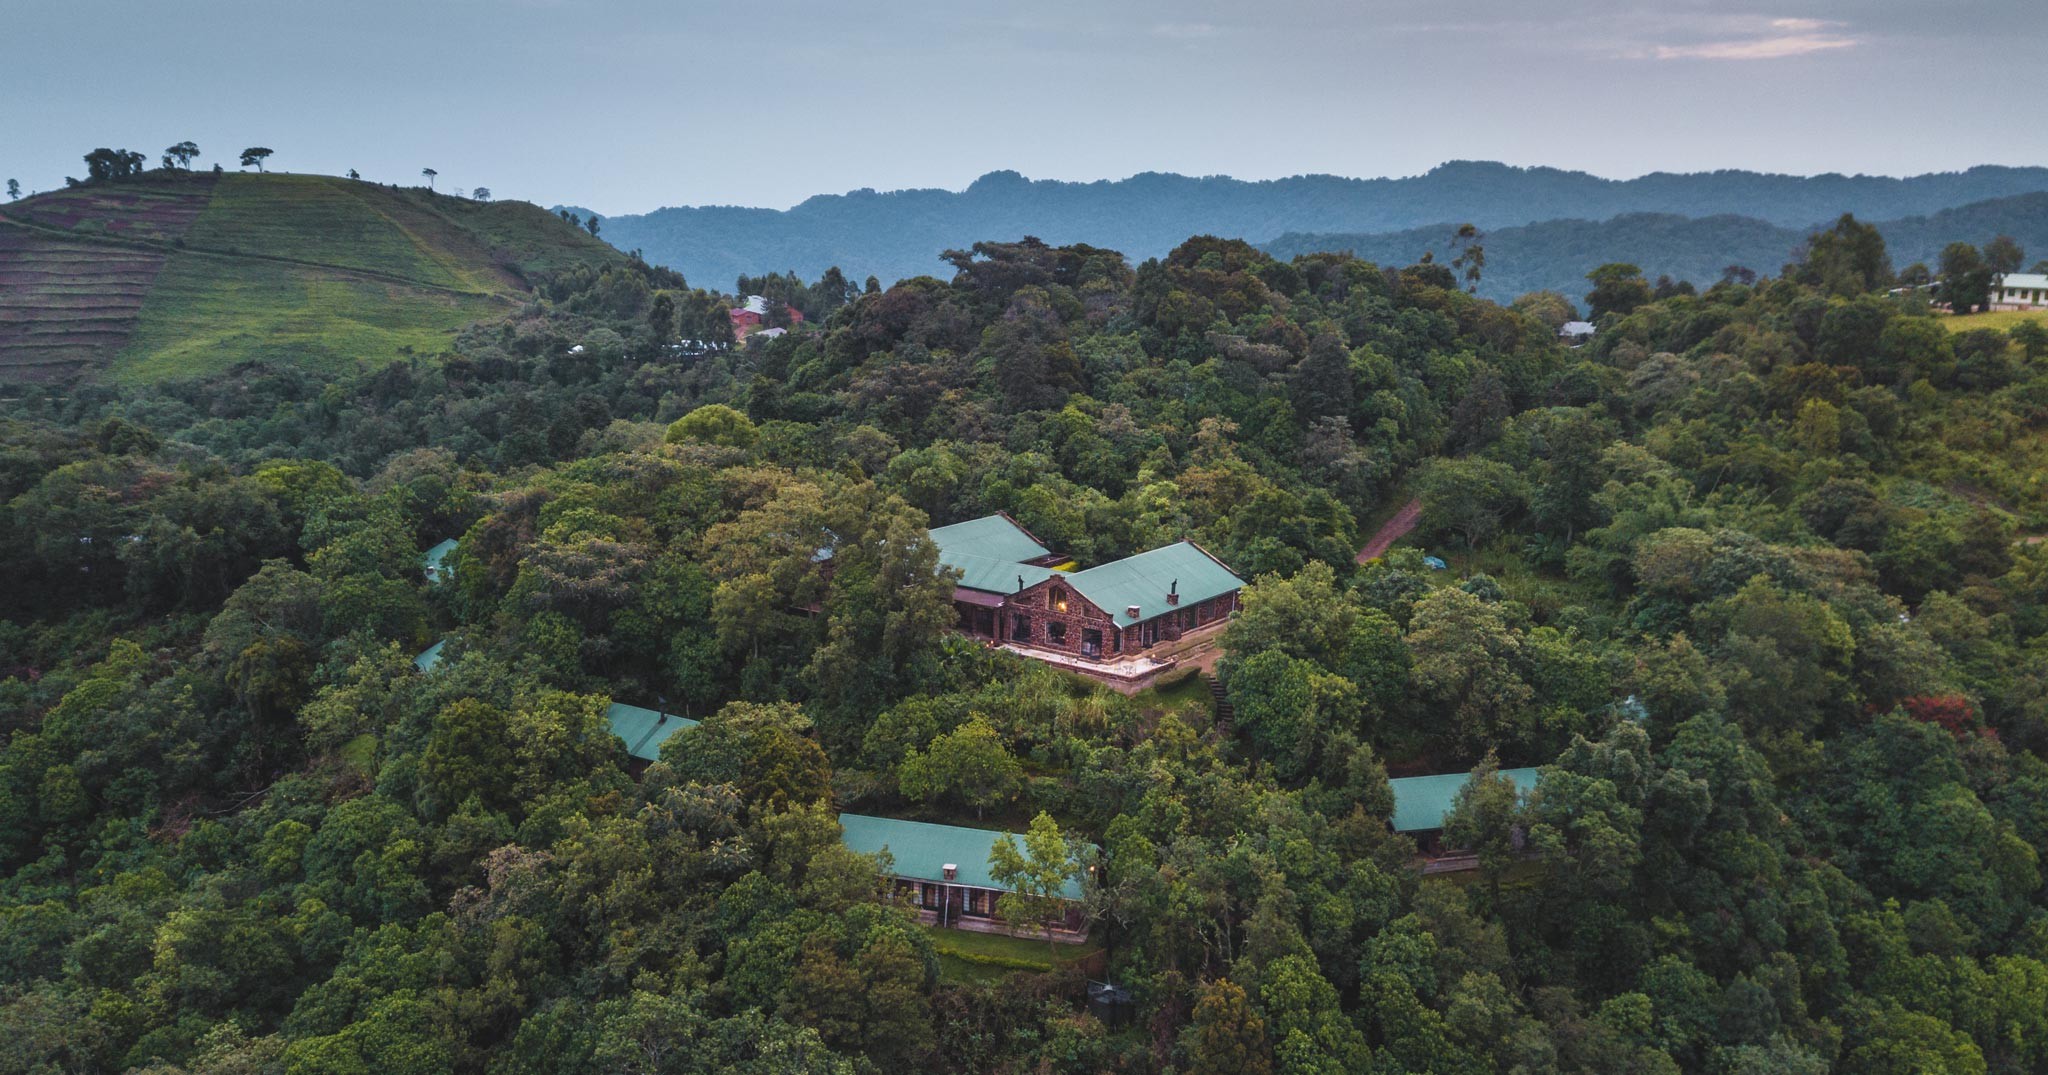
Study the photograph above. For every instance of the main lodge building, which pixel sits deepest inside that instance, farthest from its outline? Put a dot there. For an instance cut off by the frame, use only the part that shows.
(1010, 592)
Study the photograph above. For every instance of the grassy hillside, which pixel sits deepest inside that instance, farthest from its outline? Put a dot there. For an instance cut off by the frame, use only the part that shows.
(176, 275)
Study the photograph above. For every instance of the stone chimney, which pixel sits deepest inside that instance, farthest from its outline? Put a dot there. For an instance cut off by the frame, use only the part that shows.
(1173, 593)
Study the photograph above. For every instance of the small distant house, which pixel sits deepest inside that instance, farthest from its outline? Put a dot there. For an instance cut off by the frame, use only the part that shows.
(942, 872)
(1010, 592)
(1575, 332)
(432, 563)
(1421, 803)
(750, 316)
(643, 731)
(2020, 291)
(429, 658)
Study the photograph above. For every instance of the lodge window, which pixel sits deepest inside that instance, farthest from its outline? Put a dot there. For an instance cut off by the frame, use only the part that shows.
(1059, 600)
(1056, 633)
(1020, 628)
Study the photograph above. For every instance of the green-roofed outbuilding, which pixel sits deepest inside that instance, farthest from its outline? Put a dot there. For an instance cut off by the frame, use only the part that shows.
(1421, 803)
(432, 563)
(942, 870)
(429, 658)
(644, 730)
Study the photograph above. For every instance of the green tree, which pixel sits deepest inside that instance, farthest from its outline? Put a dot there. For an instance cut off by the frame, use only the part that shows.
(714, 423)
(1965, 278)
(1466, 669)
(429, 174)
(255, 156)
(1036, 877)
(1848, 259)
(14, 190)
(1472, 498)
(970, 764)
(1618, 288)
(1486, 819)
(181, 155)
(1226, 1035)
(2004, 255)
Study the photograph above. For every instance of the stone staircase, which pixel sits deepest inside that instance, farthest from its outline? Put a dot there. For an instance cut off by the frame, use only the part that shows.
(1225, 716)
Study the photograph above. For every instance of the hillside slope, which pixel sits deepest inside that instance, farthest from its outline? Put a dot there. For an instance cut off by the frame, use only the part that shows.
(901, 233)
(179, 274)
(1557, 254)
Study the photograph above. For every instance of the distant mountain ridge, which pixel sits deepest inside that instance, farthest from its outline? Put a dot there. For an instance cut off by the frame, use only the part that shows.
(1556, 254)
(901, 233)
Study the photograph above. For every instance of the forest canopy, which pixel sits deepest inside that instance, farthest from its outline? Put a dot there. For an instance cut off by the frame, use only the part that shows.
(1753, 578)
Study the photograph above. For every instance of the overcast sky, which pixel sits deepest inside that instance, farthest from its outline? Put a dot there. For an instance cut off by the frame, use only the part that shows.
(626, 105)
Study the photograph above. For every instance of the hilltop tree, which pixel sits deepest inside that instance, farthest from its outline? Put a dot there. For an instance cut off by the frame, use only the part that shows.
(482, 194)
(14, 190)
(1471, 255)
(591, 225)
(104, 163)
(2004, 255)
(1036, 875)
(1618, 288)
(353, 174)
(255, 155)
(1965, 278)
(180, 155)
(1847, 259)
(430, 174)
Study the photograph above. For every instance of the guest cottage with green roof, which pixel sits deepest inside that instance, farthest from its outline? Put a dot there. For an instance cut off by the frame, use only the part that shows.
(643, 730)
(942, 871)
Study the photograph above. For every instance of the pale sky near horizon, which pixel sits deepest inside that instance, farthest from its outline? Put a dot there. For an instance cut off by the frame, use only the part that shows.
(628, 105)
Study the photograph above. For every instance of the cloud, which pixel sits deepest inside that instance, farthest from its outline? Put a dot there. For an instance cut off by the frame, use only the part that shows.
(1184, 31)
(1779, 39)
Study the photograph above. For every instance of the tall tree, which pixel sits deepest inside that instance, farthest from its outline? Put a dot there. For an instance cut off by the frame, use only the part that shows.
(1847, 259)
(1227, 1036)
(255, 155)
(1618, 288)
(429, 173)
(2004, 255)
(1965, 278)
(1036, 876)
(14, 190)
(181, 155)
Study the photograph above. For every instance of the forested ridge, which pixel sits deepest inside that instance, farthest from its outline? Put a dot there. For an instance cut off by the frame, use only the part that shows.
(1751, 576)
(896, 233)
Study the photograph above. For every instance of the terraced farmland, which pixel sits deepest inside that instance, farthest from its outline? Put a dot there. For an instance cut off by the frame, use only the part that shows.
(66, 306)
(176, 275)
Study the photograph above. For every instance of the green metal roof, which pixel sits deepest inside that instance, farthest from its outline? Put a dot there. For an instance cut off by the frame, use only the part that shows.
(1143, 580)
(1421, 803)
(996, 576)
(431, 560)
(429, 658)
(644, 730)
(923, 850)
(995, 537)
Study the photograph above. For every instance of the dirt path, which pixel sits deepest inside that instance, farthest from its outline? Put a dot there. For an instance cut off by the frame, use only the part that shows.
(1395, 529)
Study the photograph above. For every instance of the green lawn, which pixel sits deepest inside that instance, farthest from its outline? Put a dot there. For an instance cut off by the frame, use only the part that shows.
(2002, 320)
(1192, 689)
(966, 956)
